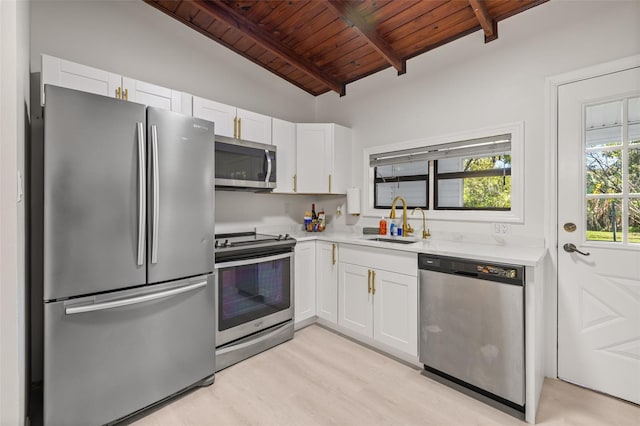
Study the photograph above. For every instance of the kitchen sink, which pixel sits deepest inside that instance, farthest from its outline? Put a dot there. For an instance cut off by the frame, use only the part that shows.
(392, 240)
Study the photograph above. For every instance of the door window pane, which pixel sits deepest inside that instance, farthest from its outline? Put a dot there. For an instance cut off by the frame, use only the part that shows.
(634, 171)
(634, 220)
(604, 172)
(604, 220)
(634, 120)
(603, 125)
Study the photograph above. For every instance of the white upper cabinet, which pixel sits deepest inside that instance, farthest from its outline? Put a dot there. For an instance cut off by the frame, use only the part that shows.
(223, 116)
(284, 138)
(253, 127)
(63, 73)
(323, 158)
(58, 72)
(234, 122)
(155, 96)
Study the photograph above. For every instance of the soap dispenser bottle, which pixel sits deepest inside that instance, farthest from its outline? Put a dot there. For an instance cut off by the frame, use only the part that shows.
(382, 230)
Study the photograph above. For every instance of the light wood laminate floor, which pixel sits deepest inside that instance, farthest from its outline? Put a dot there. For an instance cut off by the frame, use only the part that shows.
(321, 378)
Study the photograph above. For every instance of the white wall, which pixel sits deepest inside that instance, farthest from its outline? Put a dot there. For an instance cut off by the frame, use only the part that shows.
(134, 39)
(467, 85)
(241, 211)
(14, 102)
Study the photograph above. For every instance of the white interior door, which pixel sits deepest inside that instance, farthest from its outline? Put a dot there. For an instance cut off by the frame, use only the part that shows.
(599, 213)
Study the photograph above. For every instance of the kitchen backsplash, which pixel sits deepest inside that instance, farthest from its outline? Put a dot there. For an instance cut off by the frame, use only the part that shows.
(284, 213)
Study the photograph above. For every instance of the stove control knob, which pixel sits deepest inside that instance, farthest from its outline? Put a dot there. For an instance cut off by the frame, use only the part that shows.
(279, 237)
(217, 244)
(287, 236)
(227, 243)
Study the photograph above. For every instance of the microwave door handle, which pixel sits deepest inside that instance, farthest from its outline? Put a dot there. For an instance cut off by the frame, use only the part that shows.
(252, 261)
(268, 176)
(142, 194)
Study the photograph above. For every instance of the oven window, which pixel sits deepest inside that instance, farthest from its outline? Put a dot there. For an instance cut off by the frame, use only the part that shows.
(249, 292)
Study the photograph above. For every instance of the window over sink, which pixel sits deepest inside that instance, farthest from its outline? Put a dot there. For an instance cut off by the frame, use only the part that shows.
(475, 175)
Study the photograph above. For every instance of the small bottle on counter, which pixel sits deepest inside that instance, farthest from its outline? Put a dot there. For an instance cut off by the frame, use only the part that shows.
(392, 229)
(382, 230)
(314, 216)
(321, 221)
(307, 221)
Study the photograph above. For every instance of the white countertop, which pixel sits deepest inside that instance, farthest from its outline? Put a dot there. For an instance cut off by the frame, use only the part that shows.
(526, 256)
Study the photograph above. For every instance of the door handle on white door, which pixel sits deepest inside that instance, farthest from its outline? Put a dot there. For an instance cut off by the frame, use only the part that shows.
(570, 248)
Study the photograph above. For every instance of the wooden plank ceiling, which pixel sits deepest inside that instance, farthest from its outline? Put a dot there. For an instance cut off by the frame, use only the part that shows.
(322, 45)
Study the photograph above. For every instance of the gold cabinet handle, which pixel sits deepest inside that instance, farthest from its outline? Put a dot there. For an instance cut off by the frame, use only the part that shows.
(295, 183)
(368, 281)
(126, 94)
(239, 128)
(373, 282)
(118, 93)
(329, 183)
(333, 254)
(235, 127)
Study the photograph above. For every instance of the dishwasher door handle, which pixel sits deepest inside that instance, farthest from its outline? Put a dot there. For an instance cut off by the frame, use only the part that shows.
(466, 274)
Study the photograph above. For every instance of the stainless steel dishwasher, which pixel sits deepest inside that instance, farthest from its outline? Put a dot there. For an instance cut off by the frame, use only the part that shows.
(472, 327)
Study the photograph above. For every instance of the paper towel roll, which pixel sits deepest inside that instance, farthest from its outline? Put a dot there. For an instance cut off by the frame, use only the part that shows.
(353, 201)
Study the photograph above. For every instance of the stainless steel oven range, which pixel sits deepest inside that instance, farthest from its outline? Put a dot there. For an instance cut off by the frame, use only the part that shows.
(254, 292)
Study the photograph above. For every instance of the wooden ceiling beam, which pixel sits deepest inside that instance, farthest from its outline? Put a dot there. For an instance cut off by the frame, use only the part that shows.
(488, 24)
(347, 12)
(225, 13)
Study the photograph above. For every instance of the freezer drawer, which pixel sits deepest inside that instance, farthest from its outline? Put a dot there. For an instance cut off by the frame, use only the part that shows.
(109, 355)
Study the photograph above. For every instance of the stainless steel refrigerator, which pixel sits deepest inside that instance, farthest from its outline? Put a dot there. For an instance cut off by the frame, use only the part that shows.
(128, 263)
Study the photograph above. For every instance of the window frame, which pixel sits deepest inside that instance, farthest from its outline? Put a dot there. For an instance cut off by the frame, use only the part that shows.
(515, 215)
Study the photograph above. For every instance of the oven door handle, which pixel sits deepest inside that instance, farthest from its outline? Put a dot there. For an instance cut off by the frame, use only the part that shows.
(252, 261)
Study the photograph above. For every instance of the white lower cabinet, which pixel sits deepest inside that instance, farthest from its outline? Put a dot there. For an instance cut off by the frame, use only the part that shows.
(395, 310)
(377, 303)
(305, 281)
(355, 299)
(327, 281)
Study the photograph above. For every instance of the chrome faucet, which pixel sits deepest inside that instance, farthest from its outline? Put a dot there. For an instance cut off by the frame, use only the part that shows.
(406, 228)
(425, 231)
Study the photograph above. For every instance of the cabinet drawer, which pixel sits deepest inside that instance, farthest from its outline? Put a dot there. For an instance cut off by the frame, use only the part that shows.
(384, 259)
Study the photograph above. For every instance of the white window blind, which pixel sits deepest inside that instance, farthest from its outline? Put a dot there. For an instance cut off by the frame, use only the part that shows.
(482, 146)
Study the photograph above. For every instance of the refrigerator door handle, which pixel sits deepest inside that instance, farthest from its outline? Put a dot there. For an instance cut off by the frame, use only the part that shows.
(266, 153)
(133, 300)
(142, 194)
(156, 194)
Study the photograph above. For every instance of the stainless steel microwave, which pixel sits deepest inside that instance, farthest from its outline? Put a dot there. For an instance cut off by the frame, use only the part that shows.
(244, 166)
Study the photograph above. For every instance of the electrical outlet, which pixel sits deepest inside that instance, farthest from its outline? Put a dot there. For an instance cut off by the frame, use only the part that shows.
(501, 228)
